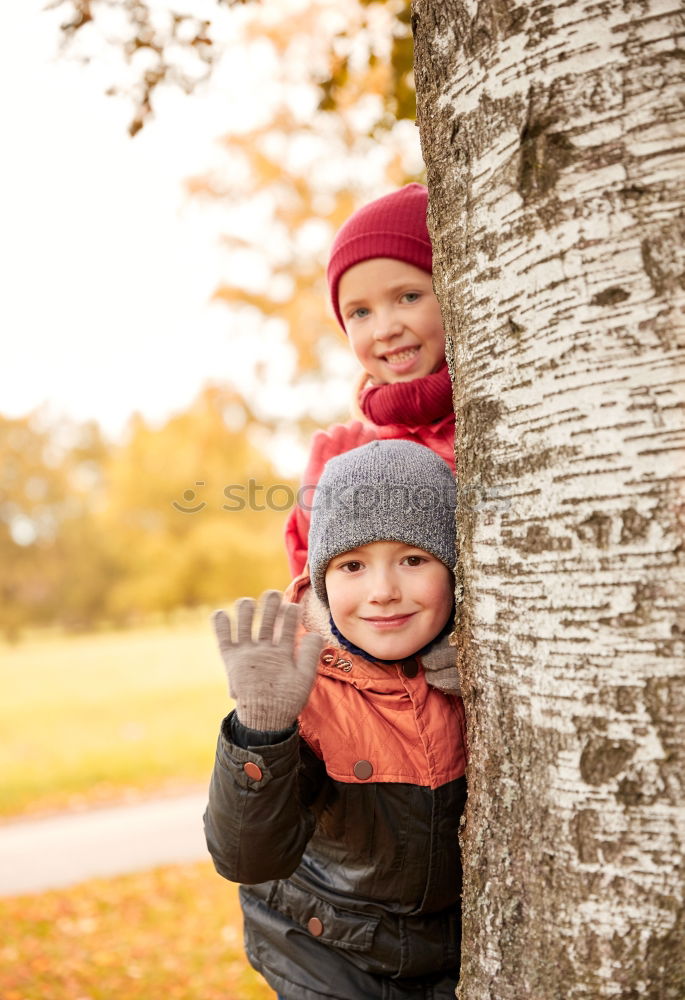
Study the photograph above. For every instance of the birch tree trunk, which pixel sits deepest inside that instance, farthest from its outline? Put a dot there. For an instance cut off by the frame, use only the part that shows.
(554, 142)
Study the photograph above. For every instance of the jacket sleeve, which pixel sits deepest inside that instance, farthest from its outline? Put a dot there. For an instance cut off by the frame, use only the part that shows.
(258, 821)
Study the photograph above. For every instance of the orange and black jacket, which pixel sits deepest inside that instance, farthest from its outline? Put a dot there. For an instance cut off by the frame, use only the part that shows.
(344, 835)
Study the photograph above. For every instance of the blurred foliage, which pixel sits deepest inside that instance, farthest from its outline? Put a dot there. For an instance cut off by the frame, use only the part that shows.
(392, 77)
(170, 46)
(49, 478)
(340, 132)
(302, 219)
(92, 532)
(174, 542)
(77, 943)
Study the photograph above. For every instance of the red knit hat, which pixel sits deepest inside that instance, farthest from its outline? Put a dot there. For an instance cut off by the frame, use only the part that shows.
(391, 226)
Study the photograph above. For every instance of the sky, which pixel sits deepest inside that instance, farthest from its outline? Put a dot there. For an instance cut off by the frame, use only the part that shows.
(107, 267)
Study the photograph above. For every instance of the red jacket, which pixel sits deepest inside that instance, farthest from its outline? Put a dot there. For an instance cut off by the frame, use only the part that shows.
(341, 438)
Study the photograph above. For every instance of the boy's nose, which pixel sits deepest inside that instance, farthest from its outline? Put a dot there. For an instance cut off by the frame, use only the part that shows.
(383, 588)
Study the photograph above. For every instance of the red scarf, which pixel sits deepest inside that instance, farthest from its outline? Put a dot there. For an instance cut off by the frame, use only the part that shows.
(420, 401)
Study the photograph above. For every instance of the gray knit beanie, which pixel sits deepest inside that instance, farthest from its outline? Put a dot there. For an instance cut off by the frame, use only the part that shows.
(384, 491)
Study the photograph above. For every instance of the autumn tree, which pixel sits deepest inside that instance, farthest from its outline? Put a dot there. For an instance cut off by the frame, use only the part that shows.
(194, 510)
(554, 141)
(50, 472)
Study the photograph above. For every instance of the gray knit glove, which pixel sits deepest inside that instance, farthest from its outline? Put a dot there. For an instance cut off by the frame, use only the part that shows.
(440, 665)
(268, 680)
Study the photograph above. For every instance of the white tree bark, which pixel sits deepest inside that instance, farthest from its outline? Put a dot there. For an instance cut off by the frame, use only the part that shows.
(553, 134)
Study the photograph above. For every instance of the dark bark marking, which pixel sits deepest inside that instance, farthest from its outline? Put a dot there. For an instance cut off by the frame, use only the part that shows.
(633, 191)
(602, 759)
(627, 700)
(631, 792)
(538, 538)
(634, 526)
(665, 704)
(492, 24)
(543, 156)
(476, 417)
(663, 258)
(584, 829)
(492, 274)
(595, 529)
(515, 328)
(540, 29)
(533, 461)
(610, 297)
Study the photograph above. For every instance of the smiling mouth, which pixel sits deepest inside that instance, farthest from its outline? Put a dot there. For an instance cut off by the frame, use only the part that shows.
(387, 622)
(398, 356)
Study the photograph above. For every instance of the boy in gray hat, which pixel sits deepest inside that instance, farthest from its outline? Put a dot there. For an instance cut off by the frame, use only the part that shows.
(339, 779)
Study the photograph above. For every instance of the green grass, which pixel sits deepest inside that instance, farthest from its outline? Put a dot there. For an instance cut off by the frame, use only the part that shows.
(94, 718)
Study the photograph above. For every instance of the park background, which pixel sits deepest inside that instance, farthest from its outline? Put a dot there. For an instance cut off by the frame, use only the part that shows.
(172, 186)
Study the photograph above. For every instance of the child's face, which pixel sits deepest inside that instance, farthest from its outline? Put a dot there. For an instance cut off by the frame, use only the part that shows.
(388, 598)
(392, 318)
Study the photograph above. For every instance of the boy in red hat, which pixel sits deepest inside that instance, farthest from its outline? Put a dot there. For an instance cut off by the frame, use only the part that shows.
(380, 282)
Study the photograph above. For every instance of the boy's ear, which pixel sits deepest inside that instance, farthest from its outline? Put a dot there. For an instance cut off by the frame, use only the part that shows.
(316, 616)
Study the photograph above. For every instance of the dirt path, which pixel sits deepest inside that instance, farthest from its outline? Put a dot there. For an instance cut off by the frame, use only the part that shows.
(36, 855)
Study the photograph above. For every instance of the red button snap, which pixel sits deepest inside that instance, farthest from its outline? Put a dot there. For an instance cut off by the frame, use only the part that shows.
(362, 770)
(327, 655)
(253, 770)
(315, 927)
